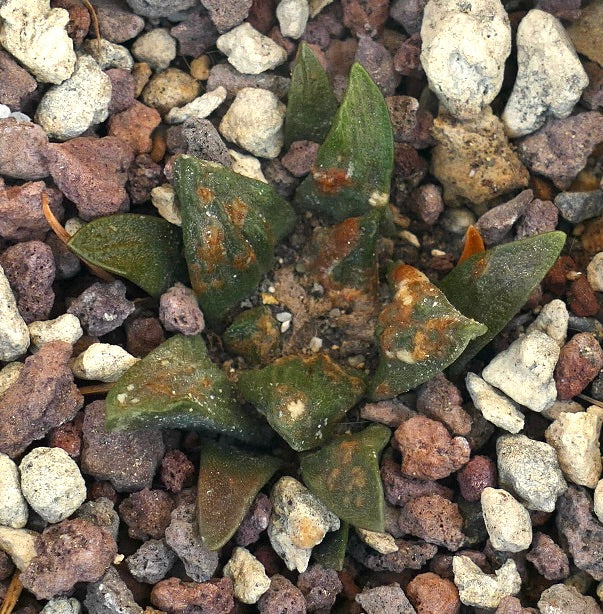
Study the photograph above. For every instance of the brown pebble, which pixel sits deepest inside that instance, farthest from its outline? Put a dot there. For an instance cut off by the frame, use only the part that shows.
(441, 400)
(477, 474)
(68, 436)
(143, 335)
(300, 158)
(147, 513)
(431, 594)
(548, 558)
(134, 126)
(363, 17)
(23, 147)
(581, 298)
(177, 471)
(555, 281)
(177, 597)
(16, 85)
(580, 361)
(282, 597)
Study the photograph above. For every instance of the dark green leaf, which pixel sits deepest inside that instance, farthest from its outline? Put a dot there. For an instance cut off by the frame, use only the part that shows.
(345, 476)
(354, 165)
(494, 285)
(230, 225)
(303, 398)
(144, 249)
(229, 480)
(419, 334)
(312, 103)
(330, 553)
(178, 386)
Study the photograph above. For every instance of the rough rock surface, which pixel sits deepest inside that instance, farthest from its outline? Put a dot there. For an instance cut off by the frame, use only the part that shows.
(22, 149)
(248, 576)
(580, 361)
(152, 561)
(14, 335)
(386, 598)
(13, 507)
(441, 400)
(175, 596)
(110, 595)
(507, 521)
(147, 513)
(561, 598)
(548, 558)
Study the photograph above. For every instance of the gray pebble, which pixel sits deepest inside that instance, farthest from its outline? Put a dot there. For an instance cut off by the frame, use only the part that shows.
(110, 595)
(576, 207)
(101, 513)
(62, 605)
(152, 561)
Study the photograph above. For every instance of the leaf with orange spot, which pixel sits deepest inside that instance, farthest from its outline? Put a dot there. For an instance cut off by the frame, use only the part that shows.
(474, 244)
(345, 476)
(178, 386)
(419, 334)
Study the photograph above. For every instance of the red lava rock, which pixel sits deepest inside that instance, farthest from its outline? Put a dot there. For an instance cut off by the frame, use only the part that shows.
(79, 19)
(411, 554)
(317, 35)
(281, 597)
(16, 85)
(23, 147)
(68, 436)
(30, 270)
(143, 335)
(407, 60)
(69, 552)
(477, 474)
(512, 605)
(539, 216)
(379, 64)
(195, 35)
(116, 23)
(555, 280)
(408, 164)
(21, 217)
(408, 13)
(365, 16)
(227, 15)
(147, 513)
(548, 558)
(134, 126)
(592, 96)
(127, 459)
(177, 471)
(431, 594)
(271, 561)
(580, 361)
(385, 598)
(179, 311)
(255, 521)
(262, 15)
(143, 176)
(560, 148)
(441, 564)
(581, 298)
(391, 412)
(102, 307)
(428, 451)
(300, 158)
(177, 597)
(123, 90)
(582, 532)
(6, 566)
(92, 173)
(426, 201)
(400, 489)
(320, 587)
(97, 489)
(441, 400)
(434, 519)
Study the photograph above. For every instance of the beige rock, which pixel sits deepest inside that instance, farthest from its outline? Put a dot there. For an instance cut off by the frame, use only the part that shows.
(507, 521)
(19, 544)
(64, 328)
(109, 55)
(9, 374)
(14, 335)
(246, 165)
(599, 500)
(587, 32)
(248, 576)
(102, 362)
(384, 543)
(473, 160)
(170, 88)
(200, 107)
(165, 201)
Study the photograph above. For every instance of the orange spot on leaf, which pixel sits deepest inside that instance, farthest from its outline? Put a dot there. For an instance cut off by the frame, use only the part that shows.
(474, 244)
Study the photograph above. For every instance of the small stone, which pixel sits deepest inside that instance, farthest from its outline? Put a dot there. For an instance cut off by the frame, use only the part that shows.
(390, 412)
(292, 17)
(496, 223)
(62, 605)
(581, 298)
(64, 328)
(540, 216)
(552, 320)
(585, 32)
(575, 437)
(560, 149)
(17, 84)
(182, 536)
(529, 469)
(81, 101)
(110, 595)
(143, 176)
(254, 121)
(580, 361)
(473, 160)
(175, 596)
(199, 108)
(19, 544)
(134, 126)
(592, 96)
(562, 599)
(299, 522)
(464, 52)
(123, 90)
(92, 173)
(407, 60)
(196, 35)
(163, 199)
(200, 67)
(227, 15)
(143, 334)
(383, 543)
(116, 23)
(128, 460)
(408, 13)
(385, 598)
(102, 362)
(204, 141)
(102, 307)
(44, 396)
(168, 89)
(249, 51)
(13, 507)
(101, 513)
(550, 77)
(594, 271)
(378, 62)
(14, 335)
(524, 371)
(428, 451)
(495, 407)
(245, 165)
(151, 562)
(482, 590)
(108, 54)
(411, 554)
(67, 553)
(255, 521)
(52, 483)
(426, 201)
(429, 594)
(147, 513)
(176, 471)
(154, 9)
(157, 48)
(29, 31)
(248, 576)
(410, 124)
(179, 311)
(282, 597)
(548, 558)
(9, 374)
(479, 473)
(579, 206)
(22, 149)
(441, 400)
(141, 73)
(507, 521)
(365, 18)
(320, 587)
(300, 158)
(68, 436)
(233, 81)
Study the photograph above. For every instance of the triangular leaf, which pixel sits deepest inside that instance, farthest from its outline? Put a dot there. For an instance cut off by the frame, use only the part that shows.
(229, 480)
(419, 334)
(330, 553)
(354, 165)
(178, 386)
(303, 398)
(230, 226)
(145, 249)
(344, 475)
(311, 100)
(494, 285)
